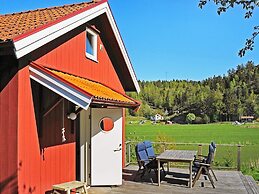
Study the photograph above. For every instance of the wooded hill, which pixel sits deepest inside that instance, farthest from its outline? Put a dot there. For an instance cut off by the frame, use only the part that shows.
(219, 98)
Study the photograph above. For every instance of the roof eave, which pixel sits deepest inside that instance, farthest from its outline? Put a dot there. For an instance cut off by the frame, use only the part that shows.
(27, 43)
(6, 47)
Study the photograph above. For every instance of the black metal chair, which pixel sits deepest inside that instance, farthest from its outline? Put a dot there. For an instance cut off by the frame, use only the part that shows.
(151, 153)
(204, 166)
(150, 150)
(145, 164)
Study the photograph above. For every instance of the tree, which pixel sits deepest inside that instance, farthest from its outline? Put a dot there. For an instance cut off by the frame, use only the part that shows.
(220, 97)
(248, 6)
(190, 118)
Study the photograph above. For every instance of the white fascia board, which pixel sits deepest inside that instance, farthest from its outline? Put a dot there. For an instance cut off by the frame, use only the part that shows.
(35, 41)
(123, 49)
(60, 88)
(38, 39)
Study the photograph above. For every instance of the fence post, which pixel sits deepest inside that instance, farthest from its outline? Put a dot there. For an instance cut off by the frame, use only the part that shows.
(125, 153)
(200, 150)
(238, 157)
(129, 152)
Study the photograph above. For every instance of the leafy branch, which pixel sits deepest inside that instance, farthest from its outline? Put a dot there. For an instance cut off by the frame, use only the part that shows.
(249, 6)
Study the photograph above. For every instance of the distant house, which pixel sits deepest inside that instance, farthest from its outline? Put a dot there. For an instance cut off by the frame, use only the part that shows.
(246, 118)
(157, 117)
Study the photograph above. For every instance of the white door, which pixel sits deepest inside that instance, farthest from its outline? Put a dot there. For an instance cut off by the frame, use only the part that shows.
(106, 148)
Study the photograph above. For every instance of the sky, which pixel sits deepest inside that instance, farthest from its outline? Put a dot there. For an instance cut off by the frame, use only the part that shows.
(171, 39)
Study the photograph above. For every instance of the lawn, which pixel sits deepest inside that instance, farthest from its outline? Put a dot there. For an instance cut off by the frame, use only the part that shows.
(224, 133)
(221, 133)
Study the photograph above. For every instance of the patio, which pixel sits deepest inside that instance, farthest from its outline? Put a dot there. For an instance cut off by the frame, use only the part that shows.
(176, 182)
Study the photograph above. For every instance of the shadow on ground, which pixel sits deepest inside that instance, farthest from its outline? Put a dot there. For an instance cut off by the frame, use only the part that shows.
(176, 178)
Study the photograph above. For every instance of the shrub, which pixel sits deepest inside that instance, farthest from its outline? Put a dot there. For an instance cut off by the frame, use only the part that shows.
(206, 119)
(163, 138)
(190, 118)
(215, 118)
(198, 120)
(228, 160)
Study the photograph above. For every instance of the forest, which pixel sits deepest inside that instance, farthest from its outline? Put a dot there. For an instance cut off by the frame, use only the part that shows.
(219, 98)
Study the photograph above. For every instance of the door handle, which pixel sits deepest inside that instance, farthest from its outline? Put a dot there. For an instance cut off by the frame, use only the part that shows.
(118, 149)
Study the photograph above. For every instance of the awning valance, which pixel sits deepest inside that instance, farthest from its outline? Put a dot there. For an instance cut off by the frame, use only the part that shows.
(80, 91)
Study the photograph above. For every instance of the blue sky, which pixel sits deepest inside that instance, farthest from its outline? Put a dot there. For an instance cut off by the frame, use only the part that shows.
(172, 39)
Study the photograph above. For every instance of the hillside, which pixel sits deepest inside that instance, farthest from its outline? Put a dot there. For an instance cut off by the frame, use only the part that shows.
(219, 98)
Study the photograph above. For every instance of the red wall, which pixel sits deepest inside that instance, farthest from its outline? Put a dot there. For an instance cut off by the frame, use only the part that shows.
(46, 160)
(8, 134)
(70, 57)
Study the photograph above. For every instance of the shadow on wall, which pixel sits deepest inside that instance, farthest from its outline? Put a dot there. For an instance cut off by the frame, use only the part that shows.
(53, 126)
(6, 75)
(10, 183)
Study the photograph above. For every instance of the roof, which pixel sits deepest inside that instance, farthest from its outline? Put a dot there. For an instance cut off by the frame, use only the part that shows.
(78, 89)
(31, 30)
(15, 24)
(247, 117)
(97, 90)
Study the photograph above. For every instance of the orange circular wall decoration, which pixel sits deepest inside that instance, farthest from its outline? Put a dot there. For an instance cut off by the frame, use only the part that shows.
(106, 124)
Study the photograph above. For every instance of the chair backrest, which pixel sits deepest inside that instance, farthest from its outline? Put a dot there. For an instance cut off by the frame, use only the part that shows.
(149, 149)
(210, 157)
(213, 145)
(141, 153)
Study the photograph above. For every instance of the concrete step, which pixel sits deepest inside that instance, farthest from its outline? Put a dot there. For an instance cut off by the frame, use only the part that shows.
(250, 184)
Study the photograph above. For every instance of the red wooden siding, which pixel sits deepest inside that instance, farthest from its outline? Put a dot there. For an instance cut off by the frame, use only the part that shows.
(8, 134)
(45, 160)
(70, 57)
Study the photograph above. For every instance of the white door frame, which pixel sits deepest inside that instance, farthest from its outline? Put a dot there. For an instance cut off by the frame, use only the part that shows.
(85, 134)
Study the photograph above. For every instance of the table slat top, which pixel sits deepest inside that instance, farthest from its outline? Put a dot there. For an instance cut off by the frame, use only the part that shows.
(178, 155)
(68, 185)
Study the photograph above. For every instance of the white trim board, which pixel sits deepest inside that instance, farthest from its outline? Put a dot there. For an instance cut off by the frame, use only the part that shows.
(38, 39)
(60, 88)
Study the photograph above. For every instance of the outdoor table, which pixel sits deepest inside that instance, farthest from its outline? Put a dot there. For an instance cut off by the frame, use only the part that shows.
(186, 156)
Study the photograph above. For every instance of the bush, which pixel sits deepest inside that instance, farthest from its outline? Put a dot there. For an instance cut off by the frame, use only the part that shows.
(215, 118)
(163, 138)
(198, 120)
(206, 119)
(190, 118)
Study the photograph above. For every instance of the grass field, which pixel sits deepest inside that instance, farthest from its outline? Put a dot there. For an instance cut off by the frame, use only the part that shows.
(221, 133)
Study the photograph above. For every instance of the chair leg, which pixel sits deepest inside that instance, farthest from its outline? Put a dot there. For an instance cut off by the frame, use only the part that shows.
(197, 176)
(139, 173)
(143, 173)
(163, 169)
(213, 174)
(210, 178)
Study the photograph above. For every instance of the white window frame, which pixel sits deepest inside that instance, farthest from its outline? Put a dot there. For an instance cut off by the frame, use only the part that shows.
(94, 35)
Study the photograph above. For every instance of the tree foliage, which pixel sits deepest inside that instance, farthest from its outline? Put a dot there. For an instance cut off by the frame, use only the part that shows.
(249, 7)
(219, 98)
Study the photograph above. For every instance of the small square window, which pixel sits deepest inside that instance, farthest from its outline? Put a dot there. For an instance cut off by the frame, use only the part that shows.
(91, 44)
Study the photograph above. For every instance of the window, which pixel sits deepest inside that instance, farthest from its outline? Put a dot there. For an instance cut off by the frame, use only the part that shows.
(91, 44)
(106, 124)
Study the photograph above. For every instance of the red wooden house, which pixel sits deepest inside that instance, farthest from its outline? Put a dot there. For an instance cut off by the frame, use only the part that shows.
(63, 76)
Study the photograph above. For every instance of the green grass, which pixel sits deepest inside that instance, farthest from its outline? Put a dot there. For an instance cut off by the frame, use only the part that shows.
(221, 133)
